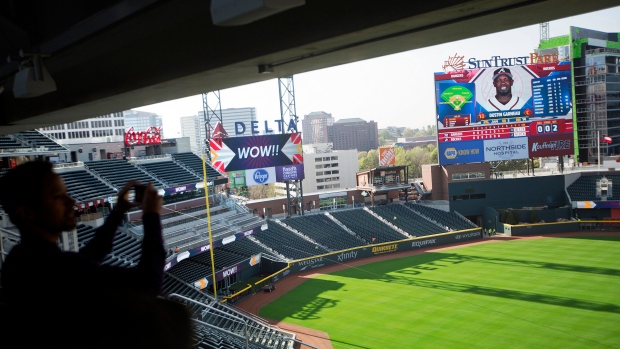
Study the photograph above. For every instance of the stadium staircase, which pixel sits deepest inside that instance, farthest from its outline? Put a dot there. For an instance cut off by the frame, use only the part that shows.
(386, 220)
(451, 220)
(30, 142)
(367, 226)
(411, 221)
(119, 171)
(194, 164)
(167, 171)
(38, 141)
(231, 326)
(322, 229)
(83, 186)
(419, 187)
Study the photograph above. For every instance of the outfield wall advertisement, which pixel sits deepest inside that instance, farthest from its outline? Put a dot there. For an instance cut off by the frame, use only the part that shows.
(374, 250)
(504, 109)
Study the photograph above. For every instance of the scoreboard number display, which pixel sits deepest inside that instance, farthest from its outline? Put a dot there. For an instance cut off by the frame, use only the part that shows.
(553, 128)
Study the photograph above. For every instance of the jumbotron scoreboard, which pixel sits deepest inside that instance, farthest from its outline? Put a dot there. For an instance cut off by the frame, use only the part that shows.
(504, 112)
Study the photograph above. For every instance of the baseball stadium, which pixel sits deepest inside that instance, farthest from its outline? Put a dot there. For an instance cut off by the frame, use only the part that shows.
(467, 256)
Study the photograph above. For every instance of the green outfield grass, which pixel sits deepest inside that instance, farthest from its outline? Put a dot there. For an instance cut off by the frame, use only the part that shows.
(540, 293)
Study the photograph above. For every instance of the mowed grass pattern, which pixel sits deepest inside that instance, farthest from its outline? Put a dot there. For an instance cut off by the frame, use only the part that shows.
(539, 293)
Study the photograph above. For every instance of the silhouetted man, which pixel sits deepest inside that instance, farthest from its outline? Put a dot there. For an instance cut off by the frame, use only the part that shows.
(68, 299)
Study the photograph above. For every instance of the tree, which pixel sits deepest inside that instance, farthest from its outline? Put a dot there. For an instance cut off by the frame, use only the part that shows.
(261, 191)
(386, 134)
(385, 137)
(434, 156)
(408, 132)
(371, 160)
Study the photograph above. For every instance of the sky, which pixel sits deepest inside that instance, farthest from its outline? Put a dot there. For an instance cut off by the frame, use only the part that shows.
(394, 90)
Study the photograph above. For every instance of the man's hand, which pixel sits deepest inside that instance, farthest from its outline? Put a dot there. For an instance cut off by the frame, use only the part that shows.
(123, 204)
(152, 202)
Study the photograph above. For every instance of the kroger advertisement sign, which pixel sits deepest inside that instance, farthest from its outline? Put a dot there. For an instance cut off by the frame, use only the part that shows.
(260, 176)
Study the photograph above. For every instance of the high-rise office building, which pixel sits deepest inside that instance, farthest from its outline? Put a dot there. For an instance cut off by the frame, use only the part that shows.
(314, 127)
(141, 120)
(103, 136)
(326, 169)
(194, 129)
(595, 59)
(354, 133)
(105, 128)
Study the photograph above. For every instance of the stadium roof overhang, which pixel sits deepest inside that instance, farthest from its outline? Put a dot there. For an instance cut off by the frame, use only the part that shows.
(114, 55)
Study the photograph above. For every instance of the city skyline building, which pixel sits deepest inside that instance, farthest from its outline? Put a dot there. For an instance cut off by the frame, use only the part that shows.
(104, 128)
(595, 58)
(326, 169)
(314, 127)
(192, 128)
(354, 133)
(140, 121)
(103, 137)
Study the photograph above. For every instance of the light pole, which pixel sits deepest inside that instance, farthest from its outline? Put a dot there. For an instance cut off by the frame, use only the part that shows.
(353, 198)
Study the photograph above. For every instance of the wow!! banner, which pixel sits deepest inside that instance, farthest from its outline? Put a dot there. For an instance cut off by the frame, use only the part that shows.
(244, 153)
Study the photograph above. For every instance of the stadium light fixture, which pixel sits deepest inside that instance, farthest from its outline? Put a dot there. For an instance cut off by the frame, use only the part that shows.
(32, 79)
(265, 69)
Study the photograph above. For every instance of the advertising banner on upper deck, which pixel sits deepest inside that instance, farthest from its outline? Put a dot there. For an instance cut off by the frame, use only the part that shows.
(245, 153)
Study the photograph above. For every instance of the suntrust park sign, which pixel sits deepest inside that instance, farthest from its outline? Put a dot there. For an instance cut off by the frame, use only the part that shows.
(457, 63)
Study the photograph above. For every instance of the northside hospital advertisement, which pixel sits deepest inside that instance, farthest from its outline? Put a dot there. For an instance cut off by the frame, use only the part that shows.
(504, 109)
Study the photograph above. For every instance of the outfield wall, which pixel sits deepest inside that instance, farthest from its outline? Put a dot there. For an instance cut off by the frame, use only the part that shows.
(541, 228)
(560, 227)
(345, 256)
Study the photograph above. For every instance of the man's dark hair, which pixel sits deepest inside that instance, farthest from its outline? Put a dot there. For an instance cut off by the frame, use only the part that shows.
(23, 186)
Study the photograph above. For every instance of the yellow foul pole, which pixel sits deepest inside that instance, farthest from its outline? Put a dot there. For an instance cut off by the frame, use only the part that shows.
(204, 173)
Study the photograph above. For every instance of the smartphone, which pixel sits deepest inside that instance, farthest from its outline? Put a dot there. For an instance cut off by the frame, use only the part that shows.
(139, 192)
